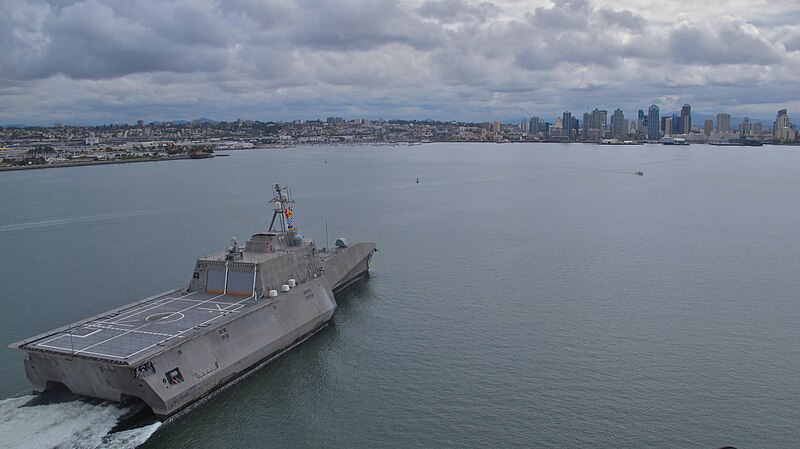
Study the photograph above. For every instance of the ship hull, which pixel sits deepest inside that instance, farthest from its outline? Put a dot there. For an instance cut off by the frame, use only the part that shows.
(186, 372)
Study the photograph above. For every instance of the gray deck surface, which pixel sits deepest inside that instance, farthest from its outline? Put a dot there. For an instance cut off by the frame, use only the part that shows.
(133, 332)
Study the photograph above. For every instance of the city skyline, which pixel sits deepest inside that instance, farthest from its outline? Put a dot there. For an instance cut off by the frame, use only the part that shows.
(97, 61)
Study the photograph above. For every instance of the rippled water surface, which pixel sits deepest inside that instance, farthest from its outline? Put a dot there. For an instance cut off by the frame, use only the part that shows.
(524, 295)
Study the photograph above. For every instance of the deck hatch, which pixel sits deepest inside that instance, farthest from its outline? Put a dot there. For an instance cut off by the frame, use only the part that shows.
(240, 283)
(215, 281)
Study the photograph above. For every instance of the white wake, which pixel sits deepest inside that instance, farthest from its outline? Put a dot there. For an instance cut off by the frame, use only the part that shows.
(73, 424)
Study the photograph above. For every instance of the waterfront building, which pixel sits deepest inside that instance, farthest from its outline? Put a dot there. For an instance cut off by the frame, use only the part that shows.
(652, 123)
(723, 122)
(618, 128)
(534, 125)
(587, 119)
(668, 125)
(782, 128)
(523, 125)
(641, 122)
(686, 120)
(566, 124)
(599, 119)
(708, 126)
(744, 126)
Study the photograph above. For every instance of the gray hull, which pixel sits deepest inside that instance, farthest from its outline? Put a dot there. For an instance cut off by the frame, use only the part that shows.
(183, 368)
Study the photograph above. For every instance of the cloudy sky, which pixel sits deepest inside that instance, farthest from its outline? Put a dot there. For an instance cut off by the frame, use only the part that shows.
(101, 61)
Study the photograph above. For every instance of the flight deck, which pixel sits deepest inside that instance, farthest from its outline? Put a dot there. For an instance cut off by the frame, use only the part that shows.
(126, 335)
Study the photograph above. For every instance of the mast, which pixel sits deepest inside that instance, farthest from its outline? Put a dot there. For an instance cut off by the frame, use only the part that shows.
(281, 210)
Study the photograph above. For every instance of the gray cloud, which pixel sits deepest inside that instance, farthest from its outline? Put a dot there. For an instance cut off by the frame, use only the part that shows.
(623, 19)
(361, 25)
(565, 15)
(455, 11)
(725, 43)
(120, 60)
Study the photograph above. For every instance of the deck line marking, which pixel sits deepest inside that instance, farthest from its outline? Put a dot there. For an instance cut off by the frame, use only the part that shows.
(189, 329)
(107, 323)
(70, 335)
(121, 318)
(104, 327)
(140, 327)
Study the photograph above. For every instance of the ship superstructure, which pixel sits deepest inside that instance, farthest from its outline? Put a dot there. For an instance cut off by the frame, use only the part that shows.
(242, 306)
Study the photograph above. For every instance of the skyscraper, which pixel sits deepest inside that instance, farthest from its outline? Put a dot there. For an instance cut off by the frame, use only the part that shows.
(618, 125)
(652, 123)
(723, 122)
(534, 125)
(686, 119)
(566, 124)
(641, 122)
(587, 119)
(708, 126)
(782, 129)
(744, 126)
(668, 126)
(599, 120)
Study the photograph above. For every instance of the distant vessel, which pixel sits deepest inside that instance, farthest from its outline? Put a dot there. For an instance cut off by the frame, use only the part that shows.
(242, 306)
(618, 142)
(639, 173)
(751, 142)
(740, 142)
(674, 141)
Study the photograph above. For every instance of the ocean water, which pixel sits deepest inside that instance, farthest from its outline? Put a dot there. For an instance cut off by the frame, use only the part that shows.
(534, 295)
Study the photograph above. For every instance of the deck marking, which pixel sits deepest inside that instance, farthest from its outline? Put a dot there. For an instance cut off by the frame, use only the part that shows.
(138, 328)
(163, 301)
(222, 307)
(160, 334)
(187, 330)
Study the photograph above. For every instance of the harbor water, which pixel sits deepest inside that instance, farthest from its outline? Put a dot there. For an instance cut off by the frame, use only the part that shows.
(524, 295)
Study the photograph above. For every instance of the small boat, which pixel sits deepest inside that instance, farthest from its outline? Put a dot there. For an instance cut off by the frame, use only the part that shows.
(639, 173)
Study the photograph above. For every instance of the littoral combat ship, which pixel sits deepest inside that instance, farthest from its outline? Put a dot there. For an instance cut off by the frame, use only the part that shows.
(242, 306)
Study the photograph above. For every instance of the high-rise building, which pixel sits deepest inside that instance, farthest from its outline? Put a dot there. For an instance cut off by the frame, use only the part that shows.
(534, 125)
(652, 123)
(523, 125)
(723, 122)
(641, 122)
(744, 126)
(587, 119)
(599, 119)
(708, 127)
(618, 125)
(686, 119)
(496, 127)
(566, 124)
(783, 129)
(668, 125)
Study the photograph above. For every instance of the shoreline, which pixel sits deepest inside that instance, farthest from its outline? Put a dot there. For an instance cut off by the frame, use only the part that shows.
(87, 163)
